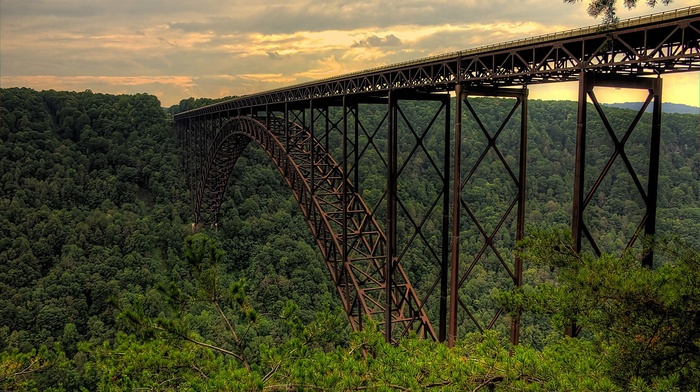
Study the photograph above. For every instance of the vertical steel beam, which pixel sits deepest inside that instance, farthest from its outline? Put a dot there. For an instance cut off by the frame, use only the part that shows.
(356, 149)
(286, 127)
(328, 126)
(345, 201)
(580, 164)
(653, 184)
(456, 209)
(190, 165)
(444, 262)
(199, 166)
(391, 186)
(578, 206)
(311, 148)
(520, 229)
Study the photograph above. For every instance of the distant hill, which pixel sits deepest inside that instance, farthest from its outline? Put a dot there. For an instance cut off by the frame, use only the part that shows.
(667, 107)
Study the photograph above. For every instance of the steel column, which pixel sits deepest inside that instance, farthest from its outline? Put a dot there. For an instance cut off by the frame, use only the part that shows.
(356, 149)
(445, 261)
(286, 127)
(579, 169)
(652, 189)
(520, 230)
(456, 213)
(328, 128)
(345, 196)
(311, 147)
(391, 194)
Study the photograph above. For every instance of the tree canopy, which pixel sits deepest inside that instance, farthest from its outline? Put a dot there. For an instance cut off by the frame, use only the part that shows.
(608, 8)
(105, 285)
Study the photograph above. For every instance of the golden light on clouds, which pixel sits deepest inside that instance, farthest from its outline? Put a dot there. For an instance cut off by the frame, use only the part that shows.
(325, 68)
(267, 78)
(76, 82)
(239, 47)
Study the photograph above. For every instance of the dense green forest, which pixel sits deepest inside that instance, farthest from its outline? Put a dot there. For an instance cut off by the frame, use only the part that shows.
(106, 285)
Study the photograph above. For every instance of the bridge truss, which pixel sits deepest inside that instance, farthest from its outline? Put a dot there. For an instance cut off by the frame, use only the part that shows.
(368, 245)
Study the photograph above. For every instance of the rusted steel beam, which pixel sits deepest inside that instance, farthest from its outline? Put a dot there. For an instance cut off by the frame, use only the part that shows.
(348, 236)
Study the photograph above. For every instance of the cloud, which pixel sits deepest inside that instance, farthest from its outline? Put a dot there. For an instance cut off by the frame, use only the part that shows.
(234, 47)
(326, 67)
(274, 56)
(75, 81)
(267, 78)
(374, 41)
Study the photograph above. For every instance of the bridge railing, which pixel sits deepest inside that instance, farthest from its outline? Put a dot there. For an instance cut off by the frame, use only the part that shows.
(568, 34)
(577, 32)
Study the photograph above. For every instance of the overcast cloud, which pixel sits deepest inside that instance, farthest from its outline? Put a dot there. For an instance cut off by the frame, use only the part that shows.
(211, 48)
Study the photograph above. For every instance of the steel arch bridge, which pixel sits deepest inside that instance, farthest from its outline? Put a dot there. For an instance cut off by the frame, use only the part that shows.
(366, 247)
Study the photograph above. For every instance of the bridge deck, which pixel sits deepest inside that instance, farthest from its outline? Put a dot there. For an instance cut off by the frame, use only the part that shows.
(648, 45)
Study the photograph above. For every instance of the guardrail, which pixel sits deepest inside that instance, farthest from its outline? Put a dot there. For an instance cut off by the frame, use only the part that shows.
(578, 32)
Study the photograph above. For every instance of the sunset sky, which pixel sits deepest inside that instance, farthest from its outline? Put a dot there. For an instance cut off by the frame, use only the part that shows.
(210, 48)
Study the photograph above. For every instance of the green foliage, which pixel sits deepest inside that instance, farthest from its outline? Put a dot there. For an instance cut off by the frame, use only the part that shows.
(94, 210)
(164, 365)
(608, 8)
(645, 323)
(233, 315)
(42, 369)
(92, 207)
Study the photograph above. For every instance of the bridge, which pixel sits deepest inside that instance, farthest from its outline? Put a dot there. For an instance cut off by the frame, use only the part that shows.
(320, 138)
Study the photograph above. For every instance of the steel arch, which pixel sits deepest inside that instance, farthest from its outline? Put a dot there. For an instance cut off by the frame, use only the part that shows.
(318, 185)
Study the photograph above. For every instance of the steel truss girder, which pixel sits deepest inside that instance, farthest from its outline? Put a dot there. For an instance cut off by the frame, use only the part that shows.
(350, 240)
(517, 204)
(399, 123)
(353, 155)
(582, 197)
(653, 45)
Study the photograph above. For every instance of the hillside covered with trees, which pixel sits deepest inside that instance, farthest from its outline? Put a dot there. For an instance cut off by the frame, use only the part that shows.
(106, 285)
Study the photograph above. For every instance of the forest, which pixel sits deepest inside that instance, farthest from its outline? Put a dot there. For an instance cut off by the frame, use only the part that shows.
(106, 284)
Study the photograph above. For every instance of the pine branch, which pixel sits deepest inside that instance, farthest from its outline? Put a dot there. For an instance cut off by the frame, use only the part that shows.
(28, 369)
(488, 382)
(437, 384)
(228, 323)
(271, 372)
(194, 367)
(209, 346)
(288, 387)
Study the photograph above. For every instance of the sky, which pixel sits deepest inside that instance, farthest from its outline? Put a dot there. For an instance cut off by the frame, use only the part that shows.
(177, 49)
